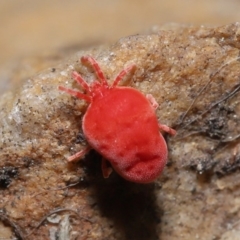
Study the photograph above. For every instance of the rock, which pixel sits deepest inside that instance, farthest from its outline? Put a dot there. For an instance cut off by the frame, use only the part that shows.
(193, 72)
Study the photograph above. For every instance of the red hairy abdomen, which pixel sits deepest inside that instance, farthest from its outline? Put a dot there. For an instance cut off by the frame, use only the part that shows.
(123, 128)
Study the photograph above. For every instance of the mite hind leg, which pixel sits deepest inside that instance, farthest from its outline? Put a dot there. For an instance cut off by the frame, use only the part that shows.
(167, 129)
(152, 101)
(162, 127)
(106, 169)
(77, 156)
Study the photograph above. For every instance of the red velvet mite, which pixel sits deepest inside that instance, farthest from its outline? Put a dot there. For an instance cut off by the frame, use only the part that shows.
(121, 124)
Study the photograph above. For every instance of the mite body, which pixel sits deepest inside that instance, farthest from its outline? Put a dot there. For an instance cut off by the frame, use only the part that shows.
(120, 123)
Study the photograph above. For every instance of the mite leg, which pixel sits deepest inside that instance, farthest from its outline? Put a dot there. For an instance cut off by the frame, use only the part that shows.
(167, 129)
(121, 75)
(96, 67)
(152, 100)
(77, 156)
(162, 127)
(106, 169)
(75, 93)
(78, 78)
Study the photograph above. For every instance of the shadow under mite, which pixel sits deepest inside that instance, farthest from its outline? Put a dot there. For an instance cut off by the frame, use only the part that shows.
(130, 207)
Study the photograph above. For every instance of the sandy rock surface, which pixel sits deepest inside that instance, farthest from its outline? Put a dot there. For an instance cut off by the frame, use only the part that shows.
(193, 72)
